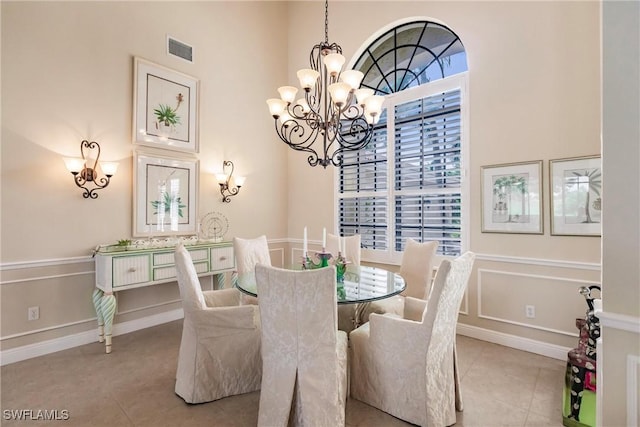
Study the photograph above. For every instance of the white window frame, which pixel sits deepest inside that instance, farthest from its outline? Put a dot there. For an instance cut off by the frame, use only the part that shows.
(391, 256)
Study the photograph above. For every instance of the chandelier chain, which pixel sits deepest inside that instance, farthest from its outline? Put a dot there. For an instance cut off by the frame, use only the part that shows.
(326, 21)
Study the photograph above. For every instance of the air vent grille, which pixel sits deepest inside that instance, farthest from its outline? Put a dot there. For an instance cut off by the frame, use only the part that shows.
(179, 49)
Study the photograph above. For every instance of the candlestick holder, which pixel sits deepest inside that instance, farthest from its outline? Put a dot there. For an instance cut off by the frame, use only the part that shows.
(323, 261)
(341, 267)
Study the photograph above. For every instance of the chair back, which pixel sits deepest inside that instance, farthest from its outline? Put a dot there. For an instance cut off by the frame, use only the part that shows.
(352, 250)
(249, 252)
(188, 282)
(417, 267)
(440, 319)
(299, 338)
(443, 304)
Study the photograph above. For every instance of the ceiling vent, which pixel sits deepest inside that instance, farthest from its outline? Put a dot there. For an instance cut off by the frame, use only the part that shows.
(179, 49)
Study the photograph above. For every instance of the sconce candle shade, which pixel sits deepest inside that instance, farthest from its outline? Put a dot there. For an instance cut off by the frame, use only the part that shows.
(229, 185)
(109, 168)
(85, 169)
(74, 164)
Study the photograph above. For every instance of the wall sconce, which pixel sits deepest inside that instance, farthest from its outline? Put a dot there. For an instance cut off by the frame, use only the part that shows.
(85, 169)
(229, 185)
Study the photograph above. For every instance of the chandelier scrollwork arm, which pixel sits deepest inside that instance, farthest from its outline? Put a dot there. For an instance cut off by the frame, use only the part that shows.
(333, 112)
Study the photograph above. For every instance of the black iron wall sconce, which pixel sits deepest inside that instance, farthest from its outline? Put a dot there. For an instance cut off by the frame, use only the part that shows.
(85, 169)
(229, 185)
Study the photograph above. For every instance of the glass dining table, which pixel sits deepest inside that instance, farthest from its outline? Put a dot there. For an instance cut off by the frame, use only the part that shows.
(361, 285)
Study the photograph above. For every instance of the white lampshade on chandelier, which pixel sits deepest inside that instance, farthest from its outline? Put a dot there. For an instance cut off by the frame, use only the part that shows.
(332, 108)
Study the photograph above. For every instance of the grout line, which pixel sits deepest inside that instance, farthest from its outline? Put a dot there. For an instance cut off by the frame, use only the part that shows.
(533, 395)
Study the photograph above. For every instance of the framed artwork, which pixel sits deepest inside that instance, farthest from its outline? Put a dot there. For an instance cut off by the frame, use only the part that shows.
(165, 108)
(164, 195)
(576, 196)
(512, 198)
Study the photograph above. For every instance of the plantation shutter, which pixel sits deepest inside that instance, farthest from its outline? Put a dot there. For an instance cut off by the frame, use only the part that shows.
(427, 171)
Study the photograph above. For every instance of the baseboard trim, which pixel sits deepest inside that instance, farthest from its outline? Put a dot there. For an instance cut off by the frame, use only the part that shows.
(51, 346)
(513, 341)
(29, 351)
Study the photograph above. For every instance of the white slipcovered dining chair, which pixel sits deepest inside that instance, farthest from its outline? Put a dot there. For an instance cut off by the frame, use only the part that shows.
(304, 356)
(219, 353)
(405, 366)
(352, 254)
(249, 253)
(416, 268)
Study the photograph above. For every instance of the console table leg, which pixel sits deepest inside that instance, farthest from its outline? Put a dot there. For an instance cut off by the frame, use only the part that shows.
(97, 298)
(108, 308)
(221, 277)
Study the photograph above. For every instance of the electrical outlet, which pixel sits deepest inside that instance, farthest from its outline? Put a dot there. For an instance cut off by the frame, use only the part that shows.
(33, 313)
(530, 311)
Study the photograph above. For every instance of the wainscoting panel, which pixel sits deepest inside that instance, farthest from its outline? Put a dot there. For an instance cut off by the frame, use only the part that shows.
(503, 297)
(277, 257)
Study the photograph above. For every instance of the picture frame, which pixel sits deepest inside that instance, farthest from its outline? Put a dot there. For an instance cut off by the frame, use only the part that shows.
(164, 195)
(165, 107)
(512, 198)
(576, 196)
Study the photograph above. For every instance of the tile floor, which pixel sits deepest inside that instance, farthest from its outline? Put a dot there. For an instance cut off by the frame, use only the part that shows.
(133, 386)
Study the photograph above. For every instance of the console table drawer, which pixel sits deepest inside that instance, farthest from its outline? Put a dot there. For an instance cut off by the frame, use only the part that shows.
(130, 270)
(169, 272)
(167, 258)
(222, 258)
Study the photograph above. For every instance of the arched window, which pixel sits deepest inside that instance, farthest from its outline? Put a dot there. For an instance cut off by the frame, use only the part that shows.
(409, 181)
(410, 55)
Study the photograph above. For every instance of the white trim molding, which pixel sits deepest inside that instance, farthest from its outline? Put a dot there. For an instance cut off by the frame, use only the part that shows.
(55, 276)
(540, 261)
(51, 346)
(29, 351)
(513, 341)
(623, 322)
(19, 265)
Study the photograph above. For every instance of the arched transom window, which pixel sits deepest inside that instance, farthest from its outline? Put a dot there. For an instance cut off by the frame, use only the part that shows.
(410, 55)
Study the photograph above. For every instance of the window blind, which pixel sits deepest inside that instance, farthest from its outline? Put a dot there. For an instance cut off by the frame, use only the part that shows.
(366, 216)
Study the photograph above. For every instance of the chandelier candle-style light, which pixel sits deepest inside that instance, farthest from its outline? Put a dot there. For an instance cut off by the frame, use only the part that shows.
(333, 109)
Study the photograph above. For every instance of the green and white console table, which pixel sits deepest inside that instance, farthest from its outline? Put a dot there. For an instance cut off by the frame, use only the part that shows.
(118, 269)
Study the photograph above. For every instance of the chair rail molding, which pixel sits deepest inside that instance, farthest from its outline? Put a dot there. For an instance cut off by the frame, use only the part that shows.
(19, 265)
(619, 321)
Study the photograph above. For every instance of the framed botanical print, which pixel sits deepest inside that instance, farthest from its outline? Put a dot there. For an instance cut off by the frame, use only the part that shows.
(164, 195)
(576, 196)
(165, 108)
(512, 198)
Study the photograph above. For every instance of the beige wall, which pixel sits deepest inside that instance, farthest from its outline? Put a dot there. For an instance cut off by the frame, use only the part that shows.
(534, 80)
(67, 75)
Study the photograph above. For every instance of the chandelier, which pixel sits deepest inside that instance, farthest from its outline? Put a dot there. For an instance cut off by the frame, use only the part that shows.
(334, 110)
